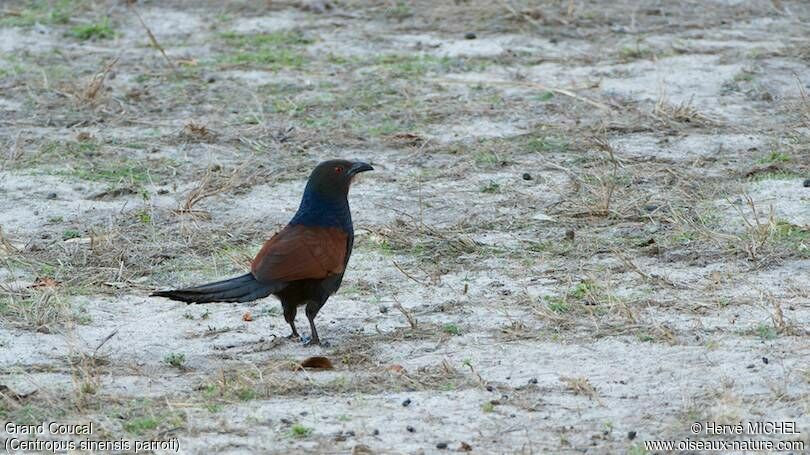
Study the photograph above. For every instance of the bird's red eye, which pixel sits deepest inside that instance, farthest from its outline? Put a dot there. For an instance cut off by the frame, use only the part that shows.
(338, 170)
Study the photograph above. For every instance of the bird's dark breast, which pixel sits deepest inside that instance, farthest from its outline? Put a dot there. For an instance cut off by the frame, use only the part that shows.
(302, 291)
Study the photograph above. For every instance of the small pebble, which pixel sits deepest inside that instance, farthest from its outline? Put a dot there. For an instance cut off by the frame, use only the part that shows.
(350, 433)
(765, 360)
(406, 403)
(750, 366)
(527, 176)
(631, 435)
(163, 191)
(806, 183)
(533, 381)
(441, 445)
(470, 35)
(211, 80)
(51, 196)
(490, 388)
(383, 309)
(285, 421)
(410, 429)
(376, 432)
(569, 235)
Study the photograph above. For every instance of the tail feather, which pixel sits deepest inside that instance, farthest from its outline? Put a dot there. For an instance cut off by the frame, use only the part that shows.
(243, 288)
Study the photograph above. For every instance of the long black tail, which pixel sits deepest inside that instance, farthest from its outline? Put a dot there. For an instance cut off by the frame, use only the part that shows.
(243, 288)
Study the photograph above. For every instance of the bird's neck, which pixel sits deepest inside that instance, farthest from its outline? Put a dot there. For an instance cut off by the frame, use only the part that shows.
(317, 209)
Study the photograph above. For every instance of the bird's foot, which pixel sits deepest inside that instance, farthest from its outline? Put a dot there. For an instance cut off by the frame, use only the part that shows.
(294, 337)
(315, 342)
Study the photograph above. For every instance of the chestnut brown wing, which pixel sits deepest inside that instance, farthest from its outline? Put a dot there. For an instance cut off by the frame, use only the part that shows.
(301, 252)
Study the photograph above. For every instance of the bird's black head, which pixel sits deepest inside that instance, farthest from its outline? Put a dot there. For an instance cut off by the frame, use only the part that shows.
(334, 177)
(325, 197)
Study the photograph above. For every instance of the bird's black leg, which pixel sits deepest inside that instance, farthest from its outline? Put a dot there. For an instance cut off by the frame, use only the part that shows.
(312, 311)
(289, 316)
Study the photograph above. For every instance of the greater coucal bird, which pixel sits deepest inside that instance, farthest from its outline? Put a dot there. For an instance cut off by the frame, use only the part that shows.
(303, 264)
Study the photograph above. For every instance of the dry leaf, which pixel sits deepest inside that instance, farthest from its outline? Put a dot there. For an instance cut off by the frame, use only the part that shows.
(247, 317)
(44, 282)
(317, 362)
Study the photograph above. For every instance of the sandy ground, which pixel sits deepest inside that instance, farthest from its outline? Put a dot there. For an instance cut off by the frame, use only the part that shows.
(588, 227)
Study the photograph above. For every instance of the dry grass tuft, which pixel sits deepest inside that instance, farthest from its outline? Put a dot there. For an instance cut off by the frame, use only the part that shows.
(198, 132)
(41, 311)
(682, 113)
(580, 385)
(428, 244)
(89, 94)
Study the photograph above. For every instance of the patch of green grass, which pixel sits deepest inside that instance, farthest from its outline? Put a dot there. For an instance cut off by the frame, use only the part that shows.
(213, 408)
(451, 329)
(628, 53)
(765, 331)
(246, 394)
(774, 157)
(29, 414)
(143, 216)
(557, 304)
(42, 12)
(488, 407)
(277, 49)
(774, 175)
(401, 10)
(545, 96)
(384, 247)
(70, 234)
(141, 425)
(548, 144)
(582, 289)
(744, 76)
(797, 237)
(486, 158)
(176, 360)
(95, 30)
(300, 431)
(63, 150)
(146, 417)
(337, 59)
(125, 173)
(274, 58)
(491, 187)
(685, 237)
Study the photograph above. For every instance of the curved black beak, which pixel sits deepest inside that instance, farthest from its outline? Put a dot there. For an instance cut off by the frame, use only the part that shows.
(358, 167)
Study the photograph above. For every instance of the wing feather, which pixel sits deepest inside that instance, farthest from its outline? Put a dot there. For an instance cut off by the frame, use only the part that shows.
(300, 252)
